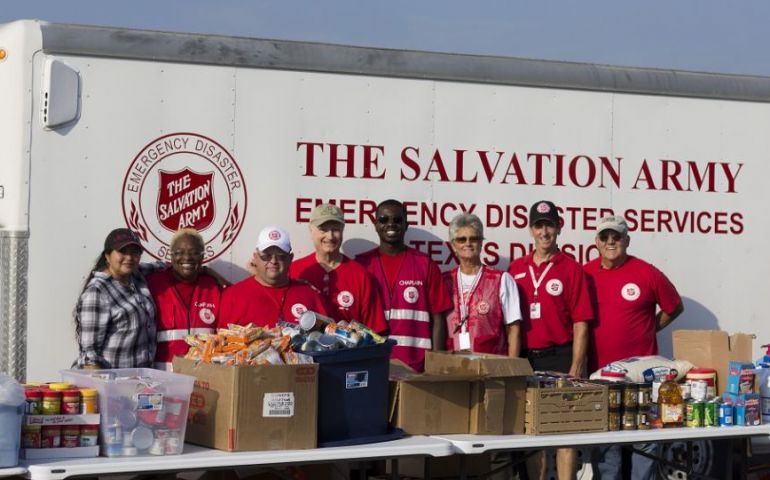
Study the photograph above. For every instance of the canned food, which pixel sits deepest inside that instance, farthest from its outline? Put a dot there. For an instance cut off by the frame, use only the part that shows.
(725, 415)
(630, 394)
(698, 390)
(695, 413)
(643, 419)
(711, 414)
(51, 402)
(644, 397)
(614, 419)
(685, 388)
(88, 401)
(34, 400)
(629, 419)
(615, 395)
(70, 402)
(89, 435)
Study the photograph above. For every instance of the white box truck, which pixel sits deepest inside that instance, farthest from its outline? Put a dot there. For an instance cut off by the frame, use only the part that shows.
(107, 127)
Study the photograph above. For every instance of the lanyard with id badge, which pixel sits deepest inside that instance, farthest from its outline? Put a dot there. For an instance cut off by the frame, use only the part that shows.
(534, 307)
(465, 336)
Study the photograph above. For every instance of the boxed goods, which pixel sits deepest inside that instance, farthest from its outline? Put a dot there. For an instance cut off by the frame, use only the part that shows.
(745, 408)
(260, 407)
(143, 411)
(560, 405)
(497, 395)
(740, 377)
(60, 421)
(424, 404)
(712, 349)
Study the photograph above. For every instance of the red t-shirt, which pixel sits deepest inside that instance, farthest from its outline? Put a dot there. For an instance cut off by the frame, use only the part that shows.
(562, 295)
(438, 295)
(350, 290)
(248, 301)
(626, 299)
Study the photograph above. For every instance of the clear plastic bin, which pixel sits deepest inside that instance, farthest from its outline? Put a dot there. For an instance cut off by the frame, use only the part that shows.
(144, 411)
(10, 425)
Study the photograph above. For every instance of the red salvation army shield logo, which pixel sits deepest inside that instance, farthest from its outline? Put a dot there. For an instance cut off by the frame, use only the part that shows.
(184, 180)
(185, 199)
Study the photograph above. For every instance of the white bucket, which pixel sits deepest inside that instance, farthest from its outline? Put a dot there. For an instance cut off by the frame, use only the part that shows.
(10, 425)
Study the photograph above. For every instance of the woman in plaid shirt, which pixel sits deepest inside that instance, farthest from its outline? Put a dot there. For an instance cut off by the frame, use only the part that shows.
(115, 315)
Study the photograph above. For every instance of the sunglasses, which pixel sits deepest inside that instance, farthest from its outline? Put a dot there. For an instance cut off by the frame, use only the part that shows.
(472, 239)
(278, 257)
(604, 236)
(384, 219)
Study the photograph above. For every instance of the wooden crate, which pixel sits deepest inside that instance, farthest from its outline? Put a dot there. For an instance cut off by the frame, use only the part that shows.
(566, 410)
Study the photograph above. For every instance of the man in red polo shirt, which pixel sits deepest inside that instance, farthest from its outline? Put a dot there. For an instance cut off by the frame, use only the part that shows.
(269, 296)
(556, 308)
(626, 292)
(349, 289)
(411, 286)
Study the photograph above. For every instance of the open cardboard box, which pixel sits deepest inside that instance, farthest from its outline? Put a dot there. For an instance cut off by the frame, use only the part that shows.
(712, 349)
(498, 393)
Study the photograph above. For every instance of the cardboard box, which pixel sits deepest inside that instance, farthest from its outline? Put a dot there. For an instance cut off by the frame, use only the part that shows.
(498, 393)
(712, 349)
(428, 404)
(242, 408)
(566, 409)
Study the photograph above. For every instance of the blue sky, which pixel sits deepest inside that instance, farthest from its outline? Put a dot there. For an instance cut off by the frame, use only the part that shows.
(699, 35)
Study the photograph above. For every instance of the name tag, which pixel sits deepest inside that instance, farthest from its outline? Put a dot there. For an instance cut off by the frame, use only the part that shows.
(534, 310)
(465, 341)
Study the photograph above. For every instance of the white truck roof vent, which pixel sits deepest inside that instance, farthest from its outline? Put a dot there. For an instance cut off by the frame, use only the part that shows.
(60, 95)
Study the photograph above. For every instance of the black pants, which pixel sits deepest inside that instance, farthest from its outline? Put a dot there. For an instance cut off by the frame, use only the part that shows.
(557, 358)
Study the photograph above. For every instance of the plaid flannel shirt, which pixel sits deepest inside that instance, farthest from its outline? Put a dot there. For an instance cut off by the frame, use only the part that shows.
(117, 321)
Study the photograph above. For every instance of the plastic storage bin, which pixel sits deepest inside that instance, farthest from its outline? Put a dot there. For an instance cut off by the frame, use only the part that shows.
(10, 425)
(353, 391)
(144, 411)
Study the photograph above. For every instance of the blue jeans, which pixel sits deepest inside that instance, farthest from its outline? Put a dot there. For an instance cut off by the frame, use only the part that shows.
(607, 463)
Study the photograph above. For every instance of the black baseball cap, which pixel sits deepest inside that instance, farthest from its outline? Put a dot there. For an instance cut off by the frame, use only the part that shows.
(544, 210)
(120, 238)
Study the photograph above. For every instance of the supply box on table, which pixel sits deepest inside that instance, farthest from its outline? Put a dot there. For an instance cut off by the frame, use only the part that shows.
(424, 404)
(353, 395)
(714, 349)
(143, 411)
(552, 409)
(243, 408)
(498, 393)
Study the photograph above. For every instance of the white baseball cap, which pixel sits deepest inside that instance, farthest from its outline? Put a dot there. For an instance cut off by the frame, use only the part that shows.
(273, 236)
(613, 222)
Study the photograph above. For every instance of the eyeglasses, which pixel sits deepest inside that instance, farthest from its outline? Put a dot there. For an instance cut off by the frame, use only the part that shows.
(471, 239)
(278, 257)
(604, 236)
(385, 219)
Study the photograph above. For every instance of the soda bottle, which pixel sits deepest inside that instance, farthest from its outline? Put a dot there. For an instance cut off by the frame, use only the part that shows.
(670, 403)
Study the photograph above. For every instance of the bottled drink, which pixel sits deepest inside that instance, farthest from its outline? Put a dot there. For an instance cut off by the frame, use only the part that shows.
(670, 404)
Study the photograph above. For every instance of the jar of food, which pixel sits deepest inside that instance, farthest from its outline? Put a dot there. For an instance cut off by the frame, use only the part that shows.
(89, 435)
(709, 375)
(629, 418)
(644, 397)
(34, 401)
(30, 436)
(643, 418)
(59, 386)
(614, 419)
(50, 436)
(70, 404)
(88, 402)
(51, 402)
(630, 395)
(70, 436)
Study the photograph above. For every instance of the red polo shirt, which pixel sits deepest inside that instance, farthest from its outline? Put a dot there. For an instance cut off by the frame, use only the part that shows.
(562, 294)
